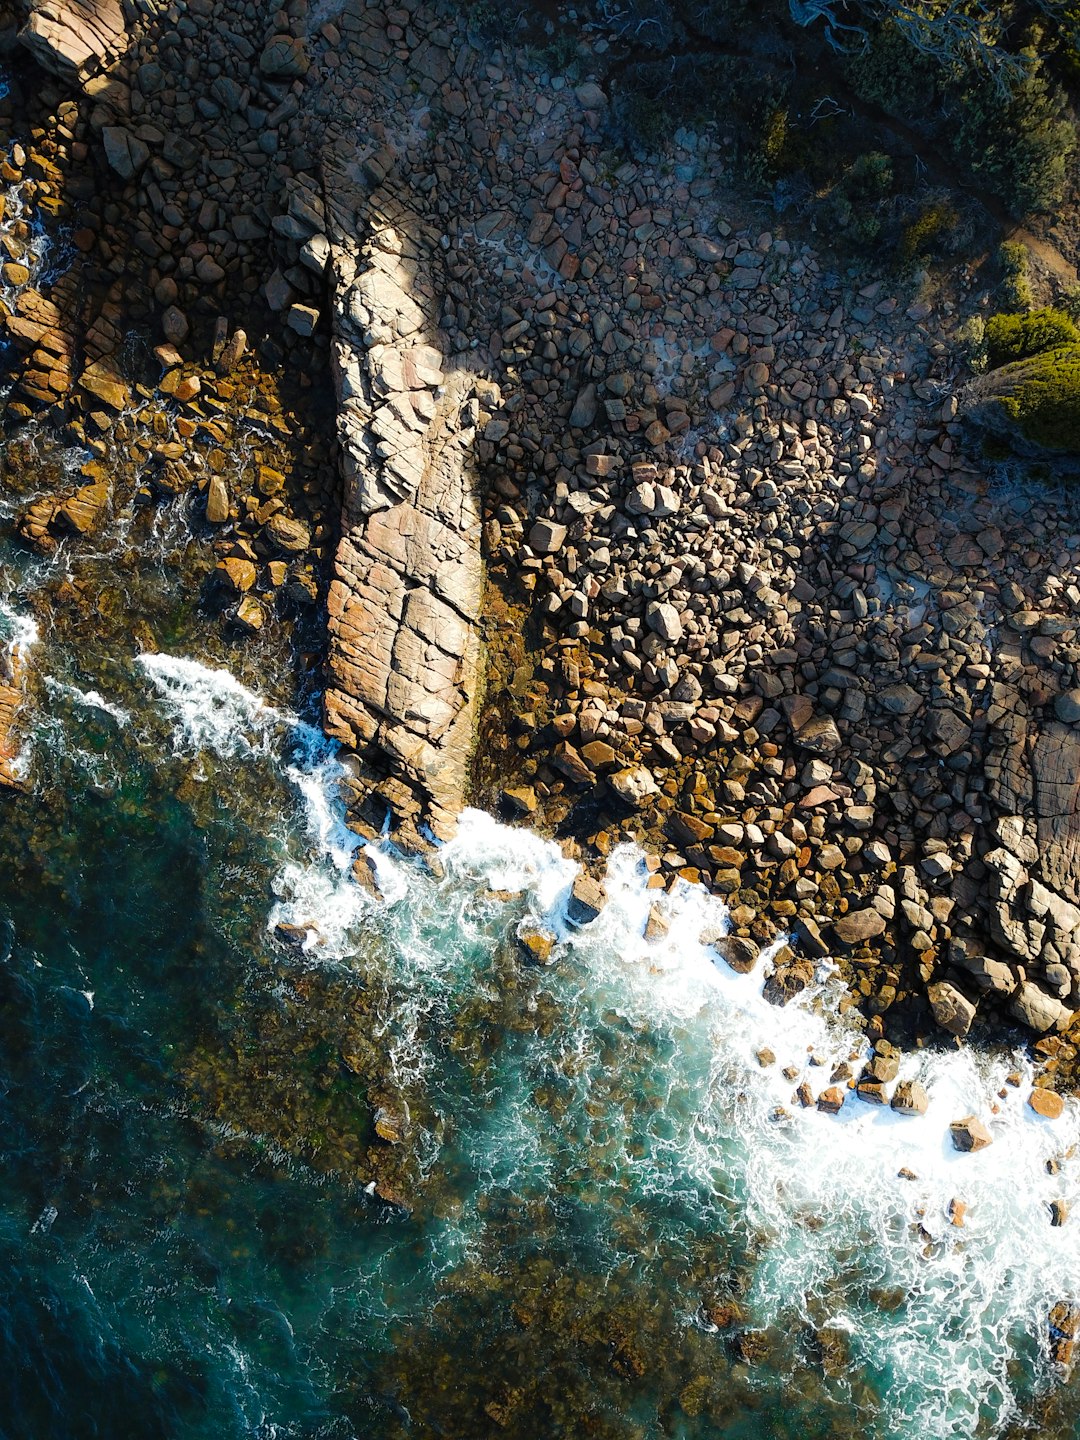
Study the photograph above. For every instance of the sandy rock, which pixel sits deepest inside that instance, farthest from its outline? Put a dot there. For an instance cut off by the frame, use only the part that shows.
(1047, 1103)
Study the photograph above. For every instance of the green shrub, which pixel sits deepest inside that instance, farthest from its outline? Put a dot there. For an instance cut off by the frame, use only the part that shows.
(1015, 337)
(888, 71)
(1019, 144)
(1041, 395)
(926, 230)
(774, 140)
(1015, 284)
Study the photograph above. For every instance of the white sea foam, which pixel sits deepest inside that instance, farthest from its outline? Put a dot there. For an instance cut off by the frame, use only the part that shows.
(87, 699)
(212, 709)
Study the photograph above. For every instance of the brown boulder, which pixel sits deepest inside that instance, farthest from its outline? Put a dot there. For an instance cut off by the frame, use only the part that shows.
(970, 1134)
(1047, 1103)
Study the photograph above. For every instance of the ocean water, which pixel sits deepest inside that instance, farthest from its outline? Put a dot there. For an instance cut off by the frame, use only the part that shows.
(590, 1210)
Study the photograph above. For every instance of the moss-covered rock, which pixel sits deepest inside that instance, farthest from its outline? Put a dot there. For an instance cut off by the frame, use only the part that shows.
(1016, 337)
(1034, 402)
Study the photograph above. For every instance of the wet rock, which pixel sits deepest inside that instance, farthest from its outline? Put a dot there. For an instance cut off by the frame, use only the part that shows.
(970, 1134)
(217, 501)
(249, 615)
(83, 511)
(1064, 1328)
(657, 925)
(521, 799)
(537, 945)
(1047, 1103)
(288, 534)
(910, 1098)
(790, 978)
(13, 677)
(831, 1100)
(586, 900)
(741, 955)
(235, 573)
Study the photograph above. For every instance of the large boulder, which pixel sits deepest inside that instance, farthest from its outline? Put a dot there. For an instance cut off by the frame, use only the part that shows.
(953, 1011)
(74, 38)
(1038, 1010)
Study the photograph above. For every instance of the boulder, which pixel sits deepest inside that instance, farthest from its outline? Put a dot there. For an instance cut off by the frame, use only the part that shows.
(584, 411)
(586, 900)
(970, 1134)
(857, 926)
(536, 945)
(634, 786)
(1047, 1103)
(125, 152)
(831, 1100)
(1038, 1010)
(547, 536)
(910, 1098)
(953, 1011)
(740, 954)
(288, 534)
(74, 38)
(284, 57)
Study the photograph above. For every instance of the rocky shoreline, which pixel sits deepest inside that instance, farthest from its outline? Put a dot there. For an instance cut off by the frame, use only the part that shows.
(749, 599)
